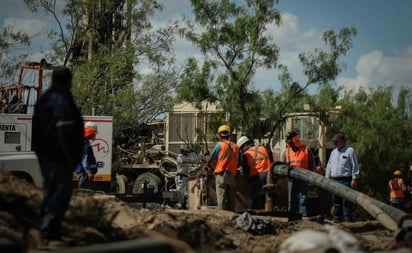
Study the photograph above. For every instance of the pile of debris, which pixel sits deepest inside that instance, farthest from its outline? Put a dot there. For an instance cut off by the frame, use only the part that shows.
(97, 221)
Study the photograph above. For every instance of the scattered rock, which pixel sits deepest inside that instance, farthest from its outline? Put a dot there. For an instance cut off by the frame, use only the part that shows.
(95, 218)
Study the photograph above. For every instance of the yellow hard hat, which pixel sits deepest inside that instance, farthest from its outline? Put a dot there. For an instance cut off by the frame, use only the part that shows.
(223, 128)
(397, 173)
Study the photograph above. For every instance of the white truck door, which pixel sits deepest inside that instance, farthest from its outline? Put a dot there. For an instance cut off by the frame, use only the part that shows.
(15, 132)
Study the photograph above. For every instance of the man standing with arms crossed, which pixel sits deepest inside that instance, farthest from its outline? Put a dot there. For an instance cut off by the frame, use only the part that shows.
(227, 158)
(343, 168)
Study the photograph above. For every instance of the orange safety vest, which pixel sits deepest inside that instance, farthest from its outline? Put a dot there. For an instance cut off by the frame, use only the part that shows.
(395, 188)
(227, 158)
(257, 160)
(298, 159)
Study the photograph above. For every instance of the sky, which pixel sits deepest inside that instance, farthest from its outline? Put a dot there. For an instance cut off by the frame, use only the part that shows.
(381, 52)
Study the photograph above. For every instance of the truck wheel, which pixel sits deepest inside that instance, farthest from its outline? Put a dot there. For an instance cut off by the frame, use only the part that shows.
(150, 179)
(23, 175)
(120, 185)
(168, 167)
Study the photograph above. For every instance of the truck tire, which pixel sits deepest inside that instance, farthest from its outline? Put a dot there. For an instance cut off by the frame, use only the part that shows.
(168, 167)
(23, 175)
(120, 185)
(151, 180)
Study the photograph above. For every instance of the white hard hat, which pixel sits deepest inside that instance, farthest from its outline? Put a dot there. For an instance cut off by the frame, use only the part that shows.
(91, 125)
(242, 141)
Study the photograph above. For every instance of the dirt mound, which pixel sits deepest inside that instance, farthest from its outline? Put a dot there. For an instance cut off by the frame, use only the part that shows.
(95, 218)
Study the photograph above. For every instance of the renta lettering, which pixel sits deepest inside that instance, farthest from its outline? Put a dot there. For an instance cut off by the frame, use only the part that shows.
(7, 128)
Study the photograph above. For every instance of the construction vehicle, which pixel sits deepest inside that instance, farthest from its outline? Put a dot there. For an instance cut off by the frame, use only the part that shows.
(17, 105)
(147, 169)
(16, 153)
(150, 166)
(150, 171)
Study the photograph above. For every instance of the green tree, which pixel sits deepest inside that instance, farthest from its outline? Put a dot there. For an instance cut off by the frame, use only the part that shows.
(122, 66)
(234, 44)
(378, 125)
(321, 66)
(9, 40)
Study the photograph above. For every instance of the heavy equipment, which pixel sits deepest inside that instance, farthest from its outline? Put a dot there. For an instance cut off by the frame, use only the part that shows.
(151, 170)
(16, 109)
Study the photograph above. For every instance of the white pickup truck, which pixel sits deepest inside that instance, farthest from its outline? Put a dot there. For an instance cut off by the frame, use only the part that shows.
(17, 157)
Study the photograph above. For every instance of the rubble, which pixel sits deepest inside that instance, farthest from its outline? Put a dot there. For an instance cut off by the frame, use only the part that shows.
(99, 219)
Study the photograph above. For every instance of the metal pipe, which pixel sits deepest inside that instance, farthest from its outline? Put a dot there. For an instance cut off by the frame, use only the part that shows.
(369, 204)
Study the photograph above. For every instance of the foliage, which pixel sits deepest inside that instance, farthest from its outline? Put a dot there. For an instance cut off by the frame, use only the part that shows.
(378, 125)
(324, 103)
(194, 86)
(106, 43)
(233, 42)
(320, 67)
(9, 40)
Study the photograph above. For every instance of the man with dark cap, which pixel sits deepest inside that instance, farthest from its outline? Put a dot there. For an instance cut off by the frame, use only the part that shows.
(298, 155)
(343, 168)
(58, 143)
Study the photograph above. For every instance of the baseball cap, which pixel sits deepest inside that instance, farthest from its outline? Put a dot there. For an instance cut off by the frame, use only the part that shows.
(338, 137)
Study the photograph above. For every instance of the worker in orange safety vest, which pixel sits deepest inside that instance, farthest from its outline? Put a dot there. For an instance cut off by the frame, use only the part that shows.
(227, 158)
(397, 190)
(256, 165)
(297, 155)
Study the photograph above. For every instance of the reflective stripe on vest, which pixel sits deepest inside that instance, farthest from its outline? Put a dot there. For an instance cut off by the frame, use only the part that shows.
(395, 188)
(298, 159)
(227, 158)
(260, 161)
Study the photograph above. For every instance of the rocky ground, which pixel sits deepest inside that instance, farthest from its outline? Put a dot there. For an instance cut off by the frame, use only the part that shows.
(96, 219)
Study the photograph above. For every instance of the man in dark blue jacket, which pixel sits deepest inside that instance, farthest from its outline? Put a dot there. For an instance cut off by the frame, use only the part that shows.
(58, 143)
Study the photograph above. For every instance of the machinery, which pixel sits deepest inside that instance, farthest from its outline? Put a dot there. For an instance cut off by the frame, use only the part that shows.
(16, 153)
(16, 108)
(150, 167)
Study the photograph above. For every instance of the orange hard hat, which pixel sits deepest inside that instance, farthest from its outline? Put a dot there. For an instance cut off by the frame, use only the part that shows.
(90, 130)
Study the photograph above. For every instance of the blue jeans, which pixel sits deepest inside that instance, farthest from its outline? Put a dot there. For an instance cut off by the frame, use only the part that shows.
(297, 197)
(56, 197)
(343, 208)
